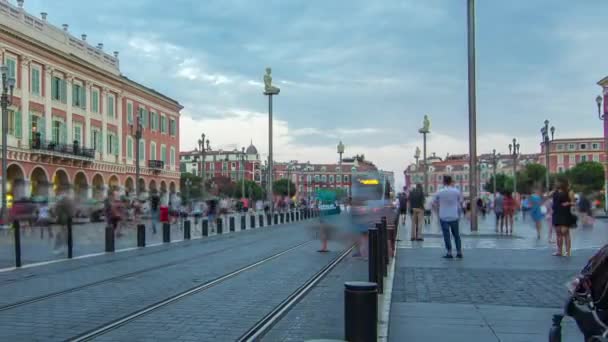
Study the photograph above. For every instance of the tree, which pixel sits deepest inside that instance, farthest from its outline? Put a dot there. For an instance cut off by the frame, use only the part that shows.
(252, 190)
(586, 177)
(279, 187)
(194, 191)
(503, 183)
(531, 177)
(223, 186)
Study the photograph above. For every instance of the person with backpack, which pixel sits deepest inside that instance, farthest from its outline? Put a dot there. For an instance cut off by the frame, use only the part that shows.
(402, 206)
(417, 211)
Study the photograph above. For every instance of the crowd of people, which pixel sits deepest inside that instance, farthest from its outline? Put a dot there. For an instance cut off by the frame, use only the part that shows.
(559, 210)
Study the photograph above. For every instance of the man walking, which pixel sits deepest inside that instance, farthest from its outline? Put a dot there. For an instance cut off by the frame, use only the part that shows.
(402, 206)
(449, 199)
(417, 207)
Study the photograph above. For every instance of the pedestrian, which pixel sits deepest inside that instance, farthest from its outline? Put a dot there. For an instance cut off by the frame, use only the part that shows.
(536, 211)
(428, 209)
(509, 206)
(402, 206)
(563, 219)
(499, 211)
(417, 201)
(584, 209)
(525, 207)
(154, 210)
(65, 213)
(448, 201)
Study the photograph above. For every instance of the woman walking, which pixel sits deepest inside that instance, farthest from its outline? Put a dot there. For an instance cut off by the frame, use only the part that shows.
(509, 206)
(563, 219)
(549, 207)
(536, 204)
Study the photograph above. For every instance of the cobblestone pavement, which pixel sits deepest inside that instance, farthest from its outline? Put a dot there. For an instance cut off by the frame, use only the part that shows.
(184, 264)
(40, 244)
(320, 315)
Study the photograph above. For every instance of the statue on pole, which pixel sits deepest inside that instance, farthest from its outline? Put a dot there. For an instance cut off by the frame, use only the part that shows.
(269, 89)
(426, 125)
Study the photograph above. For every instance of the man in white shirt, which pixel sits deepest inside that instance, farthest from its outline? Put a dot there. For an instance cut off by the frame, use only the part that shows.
(448, 200)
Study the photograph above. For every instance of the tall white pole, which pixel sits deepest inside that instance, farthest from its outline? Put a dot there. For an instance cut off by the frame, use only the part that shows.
(472, 113)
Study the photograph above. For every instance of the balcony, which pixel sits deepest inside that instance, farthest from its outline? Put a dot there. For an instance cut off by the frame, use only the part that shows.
(55, 150)
(156, 165)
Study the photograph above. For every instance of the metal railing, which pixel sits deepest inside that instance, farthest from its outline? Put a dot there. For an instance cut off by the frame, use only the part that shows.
(156, 164)
(66, 149)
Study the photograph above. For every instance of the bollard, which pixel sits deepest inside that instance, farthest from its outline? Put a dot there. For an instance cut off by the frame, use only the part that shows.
(187, 230)
(252, 221)
(268, 219)
(386, 242)
(166, 232)
(109, 239)
(205, 227)
(372, 264)
(287, 216)
(17, 240)
(292, 216)
(360, 311)
(243, 222)
(261, 220)
(276, 218)
(70, 238)
(379, 261)
(297, 213)
(141, 235)
(231, 221)
(220, 228)
(282, 218)
(384, 249)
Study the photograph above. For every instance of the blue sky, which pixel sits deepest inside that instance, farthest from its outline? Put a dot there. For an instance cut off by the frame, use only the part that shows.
(361, 71)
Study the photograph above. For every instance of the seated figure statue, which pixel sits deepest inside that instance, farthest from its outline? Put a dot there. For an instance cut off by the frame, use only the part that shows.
(426, 125)
(269, 89)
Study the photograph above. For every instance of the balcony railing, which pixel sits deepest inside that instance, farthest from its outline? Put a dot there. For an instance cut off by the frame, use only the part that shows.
(156, 164)
(60, 148)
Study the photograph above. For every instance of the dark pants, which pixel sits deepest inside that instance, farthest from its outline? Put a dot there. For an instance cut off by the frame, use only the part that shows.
(446, 226)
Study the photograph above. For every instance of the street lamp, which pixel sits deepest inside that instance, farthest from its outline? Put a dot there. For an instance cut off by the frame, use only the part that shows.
(495, 158)
(602, 116)
(8, 85)
(544, 131)
(514, 152)
(270, 91)
(340, 153)
(424, 131)
(188, 184)
(137, 135)
(243, 172)
(201, 146)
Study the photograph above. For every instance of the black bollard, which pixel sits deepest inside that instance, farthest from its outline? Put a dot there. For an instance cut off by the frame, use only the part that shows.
(268, 219)
(141, 235)
(231, 220)
(379, 262)
(276, 218)
(166, 232)
(297, 215)
(261, 220)
(292, 216)
(187, 230)
(109, 238)
(17, 240)
(555, 333)
(219, 226)
(282, 218)
(384, 249)
(243, 222)
(360, 311)
(252, 221)
(386, 240)
(372, 242)
(205, 227)
(70, 238)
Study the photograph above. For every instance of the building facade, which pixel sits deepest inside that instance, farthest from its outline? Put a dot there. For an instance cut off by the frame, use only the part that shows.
(73, 113)
(566, 153)
(457, 166)
(234, 164)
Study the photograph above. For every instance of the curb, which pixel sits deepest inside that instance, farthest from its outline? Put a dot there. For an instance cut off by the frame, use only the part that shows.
(385, 299)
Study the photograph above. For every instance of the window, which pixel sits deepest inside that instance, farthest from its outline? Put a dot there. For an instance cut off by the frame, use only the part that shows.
(583, 158)
(596, 157)
(59, 132)
(583, 146)
(324, 179)
(11, 63)
(58, 89)
(163, 124)
(129, 148)
(153, 151)
(172, 157)
(163, 153)
(143, 117)
(129, 113)
(560, 169)
(78, 133)
(345, 179)
(431, 188)
(112, 144)
(316, 178)
(560, 147)
(560, 158)
(142, 150)
(111, 105)
(95, 101)
(331, 179)
(233, 165)
(153, 121)
(96, 139)
(595, 146)
(172, 128)
(571, 147)
(35, 81)
(309, 178)
(339, 179)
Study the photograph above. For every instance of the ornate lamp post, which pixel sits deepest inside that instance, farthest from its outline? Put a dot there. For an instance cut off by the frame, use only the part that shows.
(340, 153)
(602, 116)
(494, 160)
(426, 125)
(514, 152)
(201, 146)
(137, 134)
(270, 90)
(8, 85)
(544, 131)
(243, 172)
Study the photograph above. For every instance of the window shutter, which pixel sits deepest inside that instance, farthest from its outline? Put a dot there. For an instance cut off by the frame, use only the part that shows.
(115, 145)
(83, 99)
(64, 133)
(75, 95)
(31, 122)
(18, 125)
(64, 91)
(95, 100)
(42, 127)
(53, 88)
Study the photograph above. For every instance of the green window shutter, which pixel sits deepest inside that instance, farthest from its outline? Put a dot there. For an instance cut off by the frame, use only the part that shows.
(75, 95)
(53, 88)
(129, 113)
(64, 91)
(163, 153)
(115, 145)
(12, 68)
(30, 135)
(42, 127)
(18, 124)
(129, 148)
(95, 100)
(64, 133)
(35, 81)
(83, 98)
(100, 137)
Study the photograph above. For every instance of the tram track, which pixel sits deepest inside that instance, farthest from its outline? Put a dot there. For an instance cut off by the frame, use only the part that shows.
(114, 324)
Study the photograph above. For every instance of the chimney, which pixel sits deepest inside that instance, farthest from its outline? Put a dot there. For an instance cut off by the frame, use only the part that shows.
(84, 37)
(43, 15)
(116, 54)
(65, 27)
(100, 46)
(20, 3)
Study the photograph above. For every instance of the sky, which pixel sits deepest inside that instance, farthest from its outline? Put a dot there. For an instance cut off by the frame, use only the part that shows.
(363, 72)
